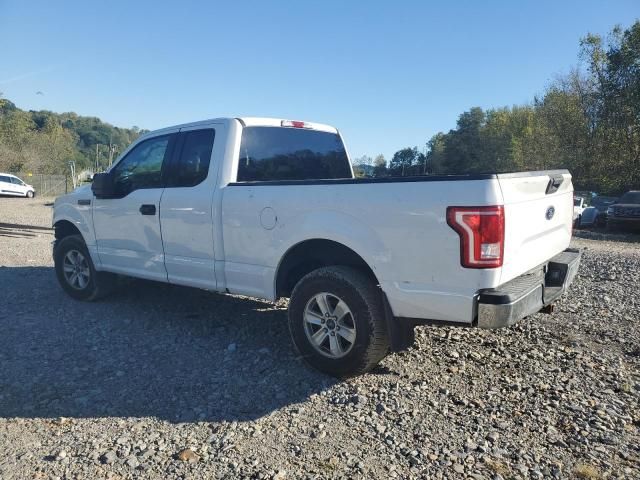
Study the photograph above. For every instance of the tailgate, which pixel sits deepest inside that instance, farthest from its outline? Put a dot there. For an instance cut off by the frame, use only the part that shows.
(538, 210)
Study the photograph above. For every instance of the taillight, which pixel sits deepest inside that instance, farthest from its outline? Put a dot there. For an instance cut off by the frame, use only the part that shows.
(294, 124)
(481, 231)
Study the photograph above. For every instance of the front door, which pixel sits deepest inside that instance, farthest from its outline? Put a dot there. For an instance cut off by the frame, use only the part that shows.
(128, 236)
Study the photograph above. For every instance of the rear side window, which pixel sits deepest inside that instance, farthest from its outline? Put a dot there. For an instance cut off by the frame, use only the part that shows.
(193, 162)
(5, 179)
(277, 153)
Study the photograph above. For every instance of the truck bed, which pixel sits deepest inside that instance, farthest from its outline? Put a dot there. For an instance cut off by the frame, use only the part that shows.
(398, 226)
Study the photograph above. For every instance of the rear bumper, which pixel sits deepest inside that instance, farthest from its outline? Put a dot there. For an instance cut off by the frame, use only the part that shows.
(529, 293)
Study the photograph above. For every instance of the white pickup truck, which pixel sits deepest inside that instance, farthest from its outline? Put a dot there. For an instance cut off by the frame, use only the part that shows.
(269, 208)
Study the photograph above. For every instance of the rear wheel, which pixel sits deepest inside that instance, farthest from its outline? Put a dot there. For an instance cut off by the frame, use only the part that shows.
(336, 320)
(75, 271)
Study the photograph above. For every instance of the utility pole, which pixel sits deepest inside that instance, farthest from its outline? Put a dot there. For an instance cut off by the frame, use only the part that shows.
(112, 150)
(97, 158)
(424, 155)
(72, 167)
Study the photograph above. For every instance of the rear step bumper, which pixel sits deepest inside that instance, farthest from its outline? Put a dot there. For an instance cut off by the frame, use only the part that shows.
(529, 293)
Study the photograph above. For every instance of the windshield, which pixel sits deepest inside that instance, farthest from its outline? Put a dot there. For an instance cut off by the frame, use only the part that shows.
(630, 197)
(602, 201)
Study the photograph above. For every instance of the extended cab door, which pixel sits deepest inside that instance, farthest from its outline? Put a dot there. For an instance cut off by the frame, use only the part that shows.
(186, 210)
(127, 228)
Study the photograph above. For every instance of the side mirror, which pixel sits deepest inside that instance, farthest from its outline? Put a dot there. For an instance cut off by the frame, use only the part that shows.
(102, 186)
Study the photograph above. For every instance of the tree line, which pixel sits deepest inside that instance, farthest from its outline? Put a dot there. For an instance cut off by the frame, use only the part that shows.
(587, 121)
(45, 142)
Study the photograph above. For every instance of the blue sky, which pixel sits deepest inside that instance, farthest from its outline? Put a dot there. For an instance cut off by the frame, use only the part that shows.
(387, 74)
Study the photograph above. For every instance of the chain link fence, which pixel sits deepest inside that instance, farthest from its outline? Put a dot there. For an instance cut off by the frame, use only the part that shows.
(48, 185)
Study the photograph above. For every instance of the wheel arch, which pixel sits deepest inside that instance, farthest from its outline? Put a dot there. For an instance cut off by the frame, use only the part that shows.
(308, 255)
(64, 228)
(64, 210)
(65, 225)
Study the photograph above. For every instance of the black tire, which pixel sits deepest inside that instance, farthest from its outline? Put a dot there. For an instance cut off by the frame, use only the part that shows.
(98, 285)
(29, 194)
(364, 301)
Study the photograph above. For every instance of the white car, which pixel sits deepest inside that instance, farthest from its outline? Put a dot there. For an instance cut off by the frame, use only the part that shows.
(12, 185)
(579, 206)
(269, 208)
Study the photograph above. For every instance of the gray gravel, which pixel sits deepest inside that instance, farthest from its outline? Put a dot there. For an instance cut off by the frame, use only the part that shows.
(167, 382)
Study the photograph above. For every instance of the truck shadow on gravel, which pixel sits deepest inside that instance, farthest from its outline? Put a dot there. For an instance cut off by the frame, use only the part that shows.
(149, 350)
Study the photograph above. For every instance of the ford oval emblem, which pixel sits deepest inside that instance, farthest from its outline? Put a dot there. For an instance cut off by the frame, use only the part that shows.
(550, 213)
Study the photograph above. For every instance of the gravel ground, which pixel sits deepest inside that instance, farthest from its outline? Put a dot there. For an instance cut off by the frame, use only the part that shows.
(167, 382)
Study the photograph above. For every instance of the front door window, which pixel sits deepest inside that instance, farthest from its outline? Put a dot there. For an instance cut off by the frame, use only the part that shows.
(142, 166)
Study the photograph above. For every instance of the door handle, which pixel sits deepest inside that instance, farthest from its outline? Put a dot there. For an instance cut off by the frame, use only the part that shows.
(148, 209)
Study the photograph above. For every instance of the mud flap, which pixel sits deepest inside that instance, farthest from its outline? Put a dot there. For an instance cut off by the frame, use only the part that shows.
(401, 331)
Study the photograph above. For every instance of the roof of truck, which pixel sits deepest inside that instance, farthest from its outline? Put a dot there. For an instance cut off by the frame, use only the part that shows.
(250, 122)
(278, 122)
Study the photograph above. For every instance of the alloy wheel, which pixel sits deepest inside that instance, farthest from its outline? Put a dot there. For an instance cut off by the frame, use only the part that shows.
(329, 325)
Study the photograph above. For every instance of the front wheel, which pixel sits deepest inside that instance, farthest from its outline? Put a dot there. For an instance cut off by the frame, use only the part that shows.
(336, 320)
(30, 194)
(75, 271)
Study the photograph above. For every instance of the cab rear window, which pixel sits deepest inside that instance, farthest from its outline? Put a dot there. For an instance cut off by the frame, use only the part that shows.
(278, 153)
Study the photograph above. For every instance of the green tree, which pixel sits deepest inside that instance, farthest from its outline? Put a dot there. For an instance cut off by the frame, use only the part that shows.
(464, 145)
(408, 161)
(380, 166)
(436, 157)
(587, 121)
(363, 166)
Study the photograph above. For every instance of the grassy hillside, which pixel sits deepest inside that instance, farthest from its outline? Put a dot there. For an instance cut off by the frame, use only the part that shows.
(45, 142)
